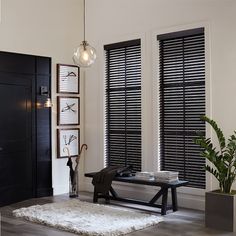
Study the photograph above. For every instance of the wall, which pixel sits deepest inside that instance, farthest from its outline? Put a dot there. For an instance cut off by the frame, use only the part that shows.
(50, 28)
(110, 21)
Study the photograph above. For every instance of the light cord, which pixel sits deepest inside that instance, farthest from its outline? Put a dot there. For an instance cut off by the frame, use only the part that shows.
(84, 20)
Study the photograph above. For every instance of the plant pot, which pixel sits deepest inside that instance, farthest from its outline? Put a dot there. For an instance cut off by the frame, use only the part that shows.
(220, 211)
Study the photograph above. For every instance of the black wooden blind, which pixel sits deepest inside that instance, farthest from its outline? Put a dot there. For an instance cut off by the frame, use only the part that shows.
(182, 102)
(123, 104)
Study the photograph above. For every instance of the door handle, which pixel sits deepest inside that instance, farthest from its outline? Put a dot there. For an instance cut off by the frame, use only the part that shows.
(1, 149)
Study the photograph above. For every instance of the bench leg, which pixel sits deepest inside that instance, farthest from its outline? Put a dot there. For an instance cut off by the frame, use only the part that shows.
(95, 195)
(164, 201)
(113, 193)
(157, 196)
(107, 198)
(174, 199)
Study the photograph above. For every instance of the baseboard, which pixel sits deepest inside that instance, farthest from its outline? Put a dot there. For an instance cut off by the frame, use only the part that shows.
(141, 192)
(60, 189)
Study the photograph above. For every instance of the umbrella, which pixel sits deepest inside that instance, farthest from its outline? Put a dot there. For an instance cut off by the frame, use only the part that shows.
(77, 161)
(70, 164)
(72, 172)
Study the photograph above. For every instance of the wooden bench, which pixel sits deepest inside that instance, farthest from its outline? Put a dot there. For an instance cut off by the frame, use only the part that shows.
(163, 192)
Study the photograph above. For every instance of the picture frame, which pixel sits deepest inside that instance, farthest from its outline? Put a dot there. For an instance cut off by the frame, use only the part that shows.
(68, 110)
(68, 138)
(68, 79)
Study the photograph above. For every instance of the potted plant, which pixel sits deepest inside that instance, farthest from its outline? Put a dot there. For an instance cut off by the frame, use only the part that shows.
(220, 206)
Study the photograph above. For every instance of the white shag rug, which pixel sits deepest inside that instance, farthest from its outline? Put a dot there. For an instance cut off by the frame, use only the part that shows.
(87, 218)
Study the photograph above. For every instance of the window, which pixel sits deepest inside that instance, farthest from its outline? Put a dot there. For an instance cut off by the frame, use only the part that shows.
(123, 104)
(181, 103)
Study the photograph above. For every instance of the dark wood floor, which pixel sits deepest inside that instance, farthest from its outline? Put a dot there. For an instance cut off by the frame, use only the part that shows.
(181, 223)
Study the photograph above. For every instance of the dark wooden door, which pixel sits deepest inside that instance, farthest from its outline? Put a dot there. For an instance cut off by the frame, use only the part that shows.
(16, 164)
(25, 129)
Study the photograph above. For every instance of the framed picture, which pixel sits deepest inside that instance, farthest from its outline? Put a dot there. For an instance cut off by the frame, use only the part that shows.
(68, 138)
(68, 110)
(67, 79)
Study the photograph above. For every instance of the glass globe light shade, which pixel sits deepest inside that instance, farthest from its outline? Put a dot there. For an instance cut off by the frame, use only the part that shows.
(85, 55)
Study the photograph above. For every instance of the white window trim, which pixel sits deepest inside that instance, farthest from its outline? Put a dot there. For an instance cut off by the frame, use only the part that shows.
(144, 93)
(155, 92)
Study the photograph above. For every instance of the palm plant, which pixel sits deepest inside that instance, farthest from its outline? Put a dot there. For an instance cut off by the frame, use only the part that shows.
(223, 158)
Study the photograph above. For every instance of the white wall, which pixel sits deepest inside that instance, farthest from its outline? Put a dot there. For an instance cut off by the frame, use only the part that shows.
(50, 28)
(110, 21)
(54, 28)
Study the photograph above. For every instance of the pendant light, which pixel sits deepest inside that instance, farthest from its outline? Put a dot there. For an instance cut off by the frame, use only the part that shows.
(85, 55)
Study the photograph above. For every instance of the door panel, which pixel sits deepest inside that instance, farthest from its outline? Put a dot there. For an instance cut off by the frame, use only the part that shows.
(16, 166)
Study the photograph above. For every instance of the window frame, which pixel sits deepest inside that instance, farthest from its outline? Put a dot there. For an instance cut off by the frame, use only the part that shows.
(116, 46)
(211, 183)
(182, 86)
